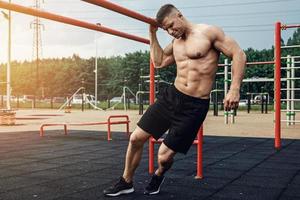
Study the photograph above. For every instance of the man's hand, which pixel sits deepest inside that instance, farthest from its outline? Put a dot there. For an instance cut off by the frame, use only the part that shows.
(153, 29)
(232, 99)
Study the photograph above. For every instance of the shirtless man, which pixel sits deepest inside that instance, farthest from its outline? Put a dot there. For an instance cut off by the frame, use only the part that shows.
(182, 107)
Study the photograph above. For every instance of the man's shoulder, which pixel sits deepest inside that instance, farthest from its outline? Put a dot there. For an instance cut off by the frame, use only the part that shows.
(207, 27)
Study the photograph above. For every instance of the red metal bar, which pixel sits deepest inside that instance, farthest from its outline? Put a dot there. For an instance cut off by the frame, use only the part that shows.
(108, 132)
(200, 154)
(119, 9)
(277, 84)
(67, 20)
(151, 100)
(151, 155)
(109, 123)
(152, 83)
(65, 129)
(56, 124)
(284, 26)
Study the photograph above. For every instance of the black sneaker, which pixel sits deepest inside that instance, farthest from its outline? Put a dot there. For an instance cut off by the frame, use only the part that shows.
(154, 185)
(121, 187)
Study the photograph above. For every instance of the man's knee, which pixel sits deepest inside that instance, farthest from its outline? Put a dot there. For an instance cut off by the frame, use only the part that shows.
(165, 159)
(138, 138)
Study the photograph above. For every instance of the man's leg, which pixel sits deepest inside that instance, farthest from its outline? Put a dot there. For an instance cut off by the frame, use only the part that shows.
(133, 157)
(165, 161)
(134, 152)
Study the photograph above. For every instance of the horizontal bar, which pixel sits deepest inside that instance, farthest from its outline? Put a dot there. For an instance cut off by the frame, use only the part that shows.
(292, 79)
(285, 26)
(220, 73)
(291, 46)
(251, 63)
(290, 99)
(291, 89)
(156, 76)
(119, 9)
(294, 121)
(285, 57)
(262, 80)
(67, 20)
(290, 110)
(290, 67)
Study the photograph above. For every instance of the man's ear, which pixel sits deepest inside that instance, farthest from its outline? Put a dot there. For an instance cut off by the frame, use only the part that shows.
(179, 15)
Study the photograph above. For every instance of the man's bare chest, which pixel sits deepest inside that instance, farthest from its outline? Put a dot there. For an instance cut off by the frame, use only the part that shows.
(193, 48)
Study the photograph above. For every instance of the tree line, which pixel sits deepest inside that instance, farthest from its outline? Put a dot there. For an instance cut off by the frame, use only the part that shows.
(60, 77)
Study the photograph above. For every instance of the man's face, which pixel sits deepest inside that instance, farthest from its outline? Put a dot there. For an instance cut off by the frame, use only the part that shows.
(173, 24)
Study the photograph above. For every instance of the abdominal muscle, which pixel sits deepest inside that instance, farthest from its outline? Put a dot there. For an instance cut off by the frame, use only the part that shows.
(195, 77)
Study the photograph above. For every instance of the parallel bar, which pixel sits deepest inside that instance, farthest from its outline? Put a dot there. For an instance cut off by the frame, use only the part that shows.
(291, 89)
(285, 57)
(290, 121)
(67, 20)
(119, 9)
(291, 67)
(284, 26)
(277, 85)
(290, 99)
(291, 46)
(253, 63)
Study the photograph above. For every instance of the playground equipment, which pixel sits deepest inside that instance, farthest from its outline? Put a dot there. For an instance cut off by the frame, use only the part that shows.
(109, 123)
(84, 99)
(114, 7)
(277, 128)
(290, 87)
(263, 98)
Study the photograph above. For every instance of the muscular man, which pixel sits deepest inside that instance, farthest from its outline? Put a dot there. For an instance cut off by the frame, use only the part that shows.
(182, 107)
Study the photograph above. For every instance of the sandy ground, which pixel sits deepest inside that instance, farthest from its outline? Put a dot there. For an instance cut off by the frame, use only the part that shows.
(254, 124)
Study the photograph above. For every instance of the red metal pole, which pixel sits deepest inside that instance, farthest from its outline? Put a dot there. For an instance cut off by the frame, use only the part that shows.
(152, 84)
(151, 100)
(200, 154)
(65, 129)
(108, 130)
(277, 84)
(151, 155)
(67, 20)
(114, 7)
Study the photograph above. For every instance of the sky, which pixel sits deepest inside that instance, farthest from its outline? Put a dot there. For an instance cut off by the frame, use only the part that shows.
(249, 22)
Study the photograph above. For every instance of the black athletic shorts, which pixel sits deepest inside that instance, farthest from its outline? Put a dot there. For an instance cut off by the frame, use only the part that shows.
(182, 114)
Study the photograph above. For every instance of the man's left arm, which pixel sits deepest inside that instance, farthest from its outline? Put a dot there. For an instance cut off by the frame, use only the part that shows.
(229, 47)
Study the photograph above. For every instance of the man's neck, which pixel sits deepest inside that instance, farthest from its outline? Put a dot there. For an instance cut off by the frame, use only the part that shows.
(188, 29)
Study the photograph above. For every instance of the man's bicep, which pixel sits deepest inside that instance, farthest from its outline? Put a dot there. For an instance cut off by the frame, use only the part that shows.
(168, 50)
(168, 57)
(227, 45)
(224, 43)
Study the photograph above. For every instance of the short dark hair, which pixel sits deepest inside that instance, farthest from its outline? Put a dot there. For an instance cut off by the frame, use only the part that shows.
(164, 11)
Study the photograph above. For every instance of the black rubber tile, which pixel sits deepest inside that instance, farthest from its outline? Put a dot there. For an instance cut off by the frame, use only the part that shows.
(221, 173)
(81, 165)
(265, 182)
(247, 192)
(15, 182)
(293, 191)
(30, 193)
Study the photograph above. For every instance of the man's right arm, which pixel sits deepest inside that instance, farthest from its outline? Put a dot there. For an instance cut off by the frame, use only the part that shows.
(160, 57)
